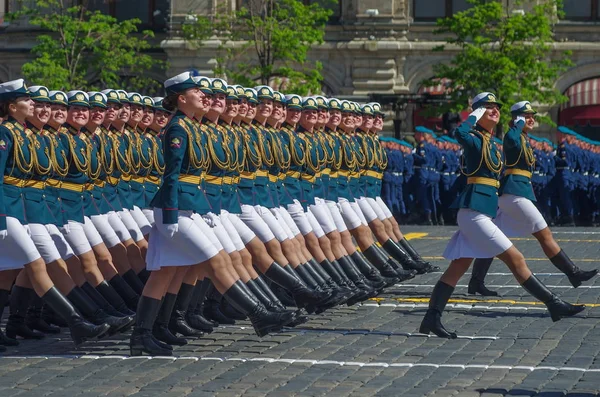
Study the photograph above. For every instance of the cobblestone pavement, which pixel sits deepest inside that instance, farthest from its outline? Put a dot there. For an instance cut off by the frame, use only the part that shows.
(508, 346)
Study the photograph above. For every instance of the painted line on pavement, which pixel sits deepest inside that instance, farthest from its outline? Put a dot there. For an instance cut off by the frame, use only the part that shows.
(510, 274)
(458, 306)
(415, 236)
(360, 364)
(573, 232)
(474, 301)
(499, 286)
(441, 258)
(521, 239)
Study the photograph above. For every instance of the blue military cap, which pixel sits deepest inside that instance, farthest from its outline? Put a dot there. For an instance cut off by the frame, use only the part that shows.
(309, 103)
(135, 98)
(407, 144)
(567, 131)
(58, 98)
(522, 107)
(294, 101)
(97, 99)
(346, 107)
(179, 83)
(335, 104)
(252, 95)
(218, 86)
(13, 89)
(148, 102)
(452, 140)
(423, 130)
(264, 92)
(158, 104)
(322, 102)
(278, 97)
(367, 110)
(39, 93)
(112, 96)
(484, 98)
(123, 96)
(204, 84)
(232, 93)
(78, 98)
(239, 90)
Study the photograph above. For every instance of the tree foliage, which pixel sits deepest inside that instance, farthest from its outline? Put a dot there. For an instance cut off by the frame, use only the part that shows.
(505, 52)
(77, 45)
(276, 36)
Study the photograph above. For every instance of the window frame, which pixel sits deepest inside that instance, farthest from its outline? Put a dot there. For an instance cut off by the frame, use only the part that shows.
(592, 17)
(112, 11)
(448, 12)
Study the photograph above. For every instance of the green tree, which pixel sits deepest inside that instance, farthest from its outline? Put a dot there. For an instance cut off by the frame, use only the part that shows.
(275, 37)
(77, 45)
(506, 52)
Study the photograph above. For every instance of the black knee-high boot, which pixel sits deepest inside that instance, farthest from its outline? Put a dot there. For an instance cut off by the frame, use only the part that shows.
(127, 293)
(34, 319)
(384, 264)
(195, 313)
(478, 273)
(94, 314)
(134, 281)
(575, 274)
(142, 340)
(557, 307)
(407, 246)
(114, 298)
(263, 321)
(80, 329)
(432, 320)
(370, 272)
(144, 275)
(20, 299)
(105, 304)
(303, 295)
(5, 340)
(405, 260)
(160, 330)
(212, 307)
(178, 323)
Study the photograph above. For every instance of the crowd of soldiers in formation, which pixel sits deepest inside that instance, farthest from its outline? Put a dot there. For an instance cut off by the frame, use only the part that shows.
(421, 183)
(289, 190)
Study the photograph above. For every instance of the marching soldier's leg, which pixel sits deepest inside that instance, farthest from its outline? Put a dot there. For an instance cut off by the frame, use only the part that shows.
(477, 282)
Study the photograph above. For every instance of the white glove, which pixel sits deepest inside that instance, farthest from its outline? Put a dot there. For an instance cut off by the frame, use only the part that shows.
(3, 234)
(520, 118)
(172, 229)
(478, 113)
(65, 228)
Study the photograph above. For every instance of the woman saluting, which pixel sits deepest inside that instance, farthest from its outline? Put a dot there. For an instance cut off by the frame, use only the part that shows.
(478, 236)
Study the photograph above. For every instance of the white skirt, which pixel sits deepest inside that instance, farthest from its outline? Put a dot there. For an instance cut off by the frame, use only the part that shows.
(188, 246)
(477, 237)
(16, 247)
(518, 216)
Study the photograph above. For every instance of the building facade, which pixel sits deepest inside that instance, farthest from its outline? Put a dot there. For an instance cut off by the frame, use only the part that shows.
(373, 48)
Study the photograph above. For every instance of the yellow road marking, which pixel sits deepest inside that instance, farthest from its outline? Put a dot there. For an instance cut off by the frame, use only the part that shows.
(506, 301)
(521, 239)
(441, 258)
(414, 236)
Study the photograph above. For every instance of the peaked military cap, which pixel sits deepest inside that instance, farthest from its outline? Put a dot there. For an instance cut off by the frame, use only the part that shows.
(483, 99)
(293, 101)
(148, 101)
(158, 100)
(522, 107)
(218, 86)
(264, 92)
(278, 97)
(322, 102)
(78, 98)
(346, 106)
(179, 83)
(232, 93)
(135, 98)
(367, 110)
(58, 98)
(123, 96)
(204, 84)
(112, 96)
(98, 99)
(13, 89)
(309, 103)
(252, 95)
(39, 93)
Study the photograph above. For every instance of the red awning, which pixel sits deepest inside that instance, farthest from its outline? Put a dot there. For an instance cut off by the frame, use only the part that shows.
(584, 93)
(580, 115)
